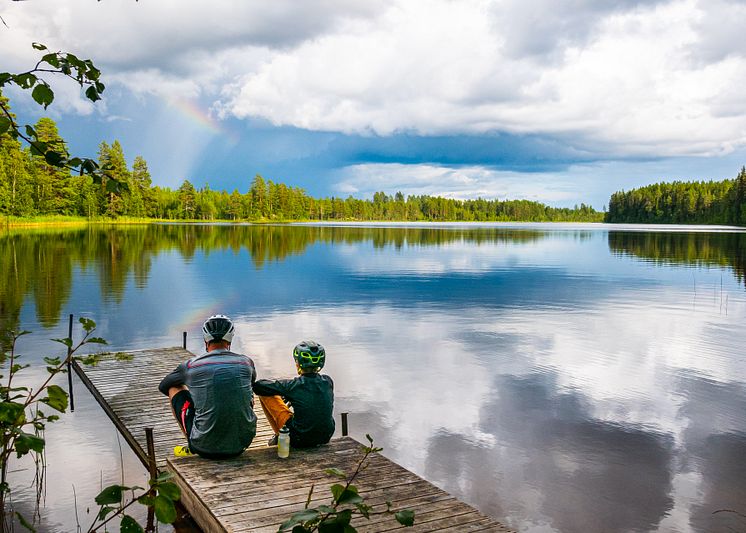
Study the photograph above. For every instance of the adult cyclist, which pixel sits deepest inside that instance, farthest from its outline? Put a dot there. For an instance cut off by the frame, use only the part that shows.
(211, 395)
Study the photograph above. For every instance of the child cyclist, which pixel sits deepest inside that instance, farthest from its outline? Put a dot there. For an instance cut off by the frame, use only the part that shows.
(311, 396)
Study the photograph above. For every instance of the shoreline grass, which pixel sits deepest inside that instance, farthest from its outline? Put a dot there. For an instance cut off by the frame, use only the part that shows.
(8, 222)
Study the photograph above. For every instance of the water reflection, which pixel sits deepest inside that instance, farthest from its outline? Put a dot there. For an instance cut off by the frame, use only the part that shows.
(695, 249)
(558, 379)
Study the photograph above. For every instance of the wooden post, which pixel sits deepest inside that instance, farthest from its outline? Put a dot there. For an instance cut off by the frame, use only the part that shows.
(70, 366)
(344, 424)
(153, 470)
(152, 467)
(183, 344)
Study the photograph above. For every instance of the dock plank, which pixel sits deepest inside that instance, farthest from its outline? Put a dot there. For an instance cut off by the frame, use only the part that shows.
(257, 490)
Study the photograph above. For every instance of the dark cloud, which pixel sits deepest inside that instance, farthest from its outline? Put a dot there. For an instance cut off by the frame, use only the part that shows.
(303, 157)
(185, 37)
(720, 31)
(542, 29)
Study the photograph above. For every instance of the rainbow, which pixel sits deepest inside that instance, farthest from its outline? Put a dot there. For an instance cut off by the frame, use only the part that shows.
(192, 320)
(196, 115)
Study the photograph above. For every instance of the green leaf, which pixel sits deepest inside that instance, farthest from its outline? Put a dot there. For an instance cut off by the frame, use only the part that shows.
(16, 368)
(130, 525)
(335, 472)
(43, 95)
(147, 500)
(75, 162)
(113, 185)
(105, 510)
(38, 147)
(54, 158)
(25, 80)
(165, 510)
(4, 124)
(170, 490)
(325, 509)
(299, 529)
(305, 515)
(11, 413)
(5, 77)
(53, 361)
(88, 324)
(337, 490)
(111, 495)
(92, 94)
(67, 341)
(51, 59)
(38, 46)
(27, 442)
(90, 360)
(337, 523)
(96, 340)
(364, 509)
(87, 167)
(288, 524)
(25, 523)
(163, 476)
(405, 517)
(345, 495)
(56, 398)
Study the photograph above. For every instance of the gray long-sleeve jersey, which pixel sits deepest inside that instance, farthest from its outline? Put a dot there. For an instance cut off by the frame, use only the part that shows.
(220, 383)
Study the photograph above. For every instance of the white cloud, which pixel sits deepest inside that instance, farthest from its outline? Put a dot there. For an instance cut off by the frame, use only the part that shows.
(622, 79)
(619, 82)
(459, 183)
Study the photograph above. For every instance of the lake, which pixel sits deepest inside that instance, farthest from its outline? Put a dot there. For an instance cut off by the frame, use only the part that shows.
(559, 377)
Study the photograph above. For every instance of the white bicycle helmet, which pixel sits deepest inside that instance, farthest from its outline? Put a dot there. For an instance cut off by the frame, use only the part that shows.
(217, 328)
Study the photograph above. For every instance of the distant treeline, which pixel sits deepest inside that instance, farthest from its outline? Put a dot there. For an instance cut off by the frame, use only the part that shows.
(697, 202)
(30, 187)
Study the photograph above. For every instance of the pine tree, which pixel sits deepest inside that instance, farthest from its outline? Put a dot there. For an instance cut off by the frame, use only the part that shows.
(141, 198)
(15, 181)
(187, 200)
(259, 198)
(739, 201)
(53, 192)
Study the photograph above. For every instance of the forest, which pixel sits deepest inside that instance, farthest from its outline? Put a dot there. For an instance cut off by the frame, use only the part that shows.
(695, 202)
(29, 187)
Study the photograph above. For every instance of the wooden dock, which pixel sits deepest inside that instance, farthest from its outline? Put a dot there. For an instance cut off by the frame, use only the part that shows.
(257, 491)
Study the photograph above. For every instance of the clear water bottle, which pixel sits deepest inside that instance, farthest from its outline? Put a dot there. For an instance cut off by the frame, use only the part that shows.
(283, 443)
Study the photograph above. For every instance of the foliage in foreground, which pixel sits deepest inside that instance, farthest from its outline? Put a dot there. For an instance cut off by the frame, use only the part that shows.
(345, 504)
(22, 425)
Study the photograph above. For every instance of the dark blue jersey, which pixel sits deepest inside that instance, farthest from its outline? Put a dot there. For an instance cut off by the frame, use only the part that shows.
(312, 399)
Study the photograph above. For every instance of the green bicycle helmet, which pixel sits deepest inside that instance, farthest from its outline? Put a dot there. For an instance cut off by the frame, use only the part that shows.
(217, 328)
(309, 355)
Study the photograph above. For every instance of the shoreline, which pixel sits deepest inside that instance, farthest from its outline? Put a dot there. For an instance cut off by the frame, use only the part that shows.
(8, 223)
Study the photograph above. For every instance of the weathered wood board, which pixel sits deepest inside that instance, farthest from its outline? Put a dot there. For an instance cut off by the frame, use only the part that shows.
(257, 491)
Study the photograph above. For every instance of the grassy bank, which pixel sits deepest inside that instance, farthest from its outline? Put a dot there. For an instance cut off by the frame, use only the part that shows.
(75, 221)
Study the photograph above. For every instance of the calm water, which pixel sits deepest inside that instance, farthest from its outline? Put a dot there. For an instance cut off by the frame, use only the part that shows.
(558, 377)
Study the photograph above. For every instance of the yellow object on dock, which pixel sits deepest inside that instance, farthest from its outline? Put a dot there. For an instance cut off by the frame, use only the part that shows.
(257, 491)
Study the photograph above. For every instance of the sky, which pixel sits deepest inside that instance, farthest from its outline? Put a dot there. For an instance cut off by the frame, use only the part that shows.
(558, 101)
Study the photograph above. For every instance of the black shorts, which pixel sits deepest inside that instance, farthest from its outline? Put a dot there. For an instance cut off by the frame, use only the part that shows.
(183, 407)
